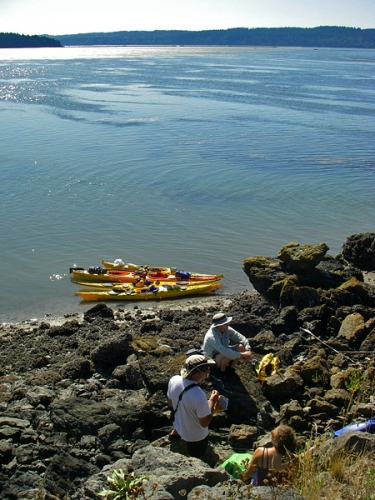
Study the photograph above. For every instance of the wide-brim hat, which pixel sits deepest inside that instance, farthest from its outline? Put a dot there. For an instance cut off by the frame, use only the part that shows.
(196, 362)
(221, 319)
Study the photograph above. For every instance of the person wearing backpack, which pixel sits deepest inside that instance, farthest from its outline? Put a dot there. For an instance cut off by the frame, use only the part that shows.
(192, 412)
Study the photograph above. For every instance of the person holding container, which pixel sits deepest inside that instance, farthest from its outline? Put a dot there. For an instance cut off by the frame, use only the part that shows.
(192, 412)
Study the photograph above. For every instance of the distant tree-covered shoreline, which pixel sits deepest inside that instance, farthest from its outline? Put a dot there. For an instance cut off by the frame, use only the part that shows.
(16, 41)
(323, 36)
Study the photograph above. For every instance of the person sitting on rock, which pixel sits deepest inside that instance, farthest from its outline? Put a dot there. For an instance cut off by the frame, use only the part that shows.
(224, 344)
(193, 413)
(276, 465)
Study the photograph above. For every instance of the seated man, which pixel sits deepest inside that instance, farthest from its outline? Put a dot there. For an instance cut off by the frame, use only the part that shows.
(224, 344)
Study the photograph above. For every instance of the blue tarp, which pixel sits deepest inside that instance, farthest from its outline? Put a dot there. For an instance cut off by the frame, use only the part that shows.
(368, 426)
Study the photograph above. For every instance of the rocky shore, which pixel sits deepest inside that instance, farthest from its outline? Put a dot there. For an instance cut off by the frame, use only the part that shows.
(81, 398)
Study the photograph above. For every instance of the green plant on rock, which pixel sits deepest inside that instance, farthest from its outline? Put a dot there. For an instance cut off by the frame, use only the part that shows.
(40, 493)
(320, 379)
(236, 490)
(361, 385)
(241, 467)
(341, 475)
(355, 380)
(361, 382)
(124, 486)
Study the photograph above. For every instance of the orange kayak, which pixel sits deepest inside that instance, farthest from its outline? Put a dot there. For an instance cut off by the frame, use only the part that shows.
(100, 275)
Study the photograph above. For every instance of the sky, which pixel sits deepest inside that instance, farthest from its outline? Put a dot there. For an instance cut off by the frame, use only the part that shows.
(37, 17)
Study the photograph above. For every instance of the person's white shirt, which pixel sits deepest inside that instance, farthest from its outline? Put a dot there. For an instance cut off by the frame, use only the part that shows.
(191, 408)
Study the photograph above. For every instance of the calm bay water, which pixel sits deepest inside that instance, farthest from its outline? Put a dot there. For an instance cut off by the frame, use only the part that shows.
(181, 156)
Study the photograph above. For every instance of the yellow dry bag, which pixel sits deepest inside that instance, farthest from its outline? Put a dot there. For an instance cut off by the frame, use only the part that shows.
(268, 366)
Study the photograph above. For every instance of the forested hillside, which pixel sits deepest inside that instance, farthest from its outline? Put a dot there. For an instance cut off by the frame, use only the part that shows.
(13, 40)
(324, 36)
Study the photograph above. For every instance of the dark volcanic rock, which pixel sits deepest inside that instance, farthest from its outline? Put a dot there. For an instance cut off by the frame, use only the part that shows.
(99, 311)
(91, 393)
(299, 258)
(112, 352)
(80, 416)
(359, 250)
(75, 369)
(67, 329)
(64, 472)
(305, 278)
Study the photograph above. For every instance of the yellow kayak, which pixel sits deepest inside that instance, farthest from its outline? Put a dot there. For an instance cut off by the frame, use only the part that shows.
(106, 285)
(167, 291)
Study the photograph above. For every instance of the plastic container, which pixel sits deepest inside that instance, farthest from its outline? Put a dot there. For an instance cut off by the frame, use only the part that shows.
(222, 404)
